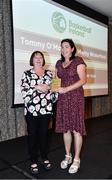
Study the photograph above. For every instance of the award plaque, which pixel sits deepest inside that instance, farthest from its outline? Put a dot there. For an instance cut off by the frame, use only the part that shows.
(56, 83)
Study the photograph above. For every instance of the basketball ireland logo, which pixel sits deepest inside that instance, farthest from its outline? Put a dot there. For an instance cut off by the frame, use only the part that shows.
(58, 22)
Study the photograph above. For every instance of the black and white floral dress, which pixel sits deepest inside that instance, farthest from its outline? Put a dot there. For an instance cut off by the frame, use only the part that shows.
(36, 102)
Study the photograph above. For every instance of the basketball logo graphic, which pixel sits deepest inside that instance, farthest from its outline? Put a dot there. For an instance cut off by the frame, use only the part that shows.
(58, 22)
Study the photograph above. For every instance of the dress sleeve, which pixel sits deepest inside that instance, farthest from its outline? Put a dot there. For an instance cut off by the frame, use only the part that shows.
(48, 79)
(80, 61)
(26, 88)
(57, 64)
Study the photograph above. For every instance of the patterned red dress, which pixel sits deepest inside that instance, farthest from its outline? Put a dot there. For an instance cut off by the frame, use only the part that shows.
(70, 106)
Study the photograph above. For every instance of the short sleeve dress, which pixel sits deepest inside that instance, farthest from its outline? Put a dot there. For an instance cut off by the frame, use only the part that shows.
(70, 106)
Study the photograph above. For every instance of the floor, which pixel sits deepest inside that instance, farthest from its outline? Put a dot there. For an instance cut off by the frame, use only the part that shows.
(96, 156)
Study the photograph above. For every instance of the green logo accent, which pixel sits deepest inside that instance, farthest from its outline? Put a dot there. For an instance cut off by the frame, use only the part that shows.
(58, 22)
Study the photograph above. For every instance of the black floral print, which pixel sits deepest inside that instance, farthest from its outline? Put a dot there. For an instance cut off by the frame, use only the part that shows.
(36, 102)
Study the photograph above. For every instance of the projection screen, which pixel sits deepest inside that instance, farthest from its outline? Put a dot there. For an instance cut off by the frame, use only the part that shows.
(42, 24)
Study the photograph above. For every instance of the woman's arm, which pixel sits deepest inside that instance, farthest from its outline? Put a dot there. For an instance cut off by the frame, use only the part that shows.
(81, 70)
(47, 83)
(55, 76)
(26, 88)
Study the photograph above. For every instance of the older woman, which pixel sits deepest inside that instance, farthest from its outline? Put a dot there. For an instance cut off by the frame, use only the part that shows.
(35, 88)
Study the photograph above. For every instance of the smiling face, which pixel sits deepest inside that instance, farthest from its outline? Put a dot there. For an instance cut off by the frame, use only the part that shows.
(38, 60)
(66, 50)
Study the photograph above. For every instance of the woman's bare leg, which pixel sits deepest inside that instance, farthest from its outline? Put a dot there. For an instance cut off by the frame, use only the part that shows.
(77, 144)
(67, 142)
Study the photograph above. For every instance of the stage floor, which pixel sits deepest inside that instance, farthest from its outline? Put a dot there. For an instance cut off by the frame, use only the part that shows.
(96, 156)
